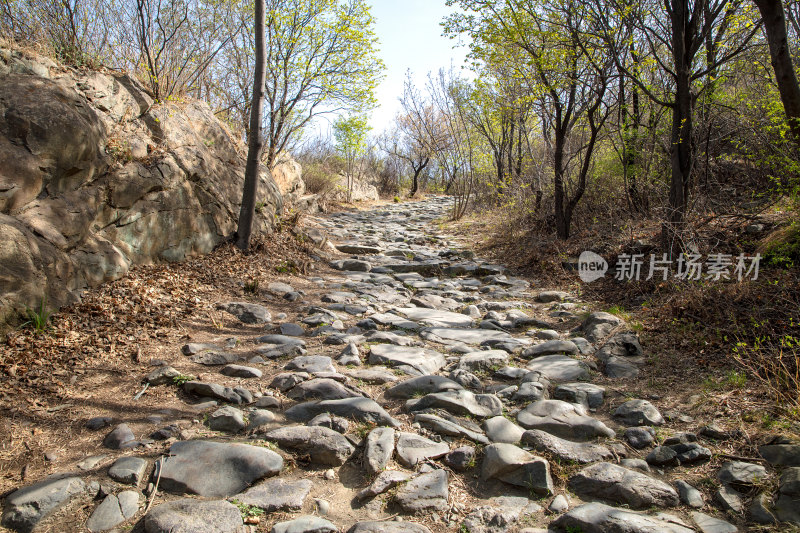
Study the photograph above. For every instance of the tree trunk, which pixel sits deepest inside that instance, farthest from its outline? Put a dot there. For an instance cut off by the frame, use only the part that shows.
(417, 171)
(775, 26)
(681, 135)
(255, 141)
(562, 224)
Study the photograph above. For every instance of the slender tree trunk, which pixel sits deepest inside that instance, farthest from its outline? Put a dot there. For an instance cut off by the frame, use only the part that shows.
(255, 141)
(775, 26)
(562, 224)
(681, 135)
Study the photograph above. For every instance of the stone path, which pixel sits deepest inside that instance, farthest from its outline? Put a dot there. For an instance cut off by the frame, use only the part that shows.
(419, 388)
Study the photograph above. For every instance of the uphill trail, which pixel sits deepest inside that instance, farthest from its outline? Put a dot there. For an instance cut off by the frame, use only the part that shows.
(403, 385)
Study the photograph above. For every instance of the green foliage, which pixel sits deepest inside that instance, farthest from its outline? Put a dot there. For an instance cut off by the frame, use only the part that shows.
(38, 319)
(248, 511)
(785, 252)
(181, 379)
(287, 267)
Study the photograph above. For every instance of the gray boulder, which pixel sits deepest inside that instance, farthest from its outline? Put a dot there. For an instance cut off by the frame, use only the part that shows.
(421, 360)
(247, 312)
(129, 470)
(382, 526)
(614, 483)
(459, 402)
(361, 409)
(324, 445)
(27, 506)
(227, 419)
(215, 469)
(425, 493)
(501, 429)
(412, 449)
(550, 348)
(113, 510)
(578, 452)
(420, 386)
(638, 413)
(515, 466)
(194, 516)
(599, 518)
(378, 449)
(562, 419)
(276, 495)
(559, 368)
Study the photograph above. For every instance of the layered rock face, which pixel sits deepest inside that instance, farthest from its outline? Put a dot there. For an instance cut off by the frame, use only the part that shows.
(95, 178)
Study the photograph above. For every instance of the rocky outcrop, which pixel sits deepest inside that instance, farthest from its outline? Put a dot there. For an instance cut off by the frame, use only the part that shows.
(363, 190)
(96, 178)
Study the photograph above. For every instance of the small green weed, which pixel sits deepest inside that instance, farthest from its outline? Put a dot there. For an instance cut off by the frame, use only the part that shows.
(181, 379)
(38, 319)
(248, 511)
(619, 311)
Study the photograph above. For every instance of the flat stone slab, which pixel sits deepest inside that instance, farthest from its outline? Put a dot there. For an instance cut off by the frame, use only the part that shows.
(280, 340)
(412, 449)
(436, 318)
(322, 389)
(214, 469)
(559, 368)
(562, 419)
(383, 526)
(425, 493)
(596, 517)
(551, 348)
(617, 484)
(194, 516)
(421, 385)
(239, 371)
(587, 394)
(579, 452)
(372, 375)
(467, 336)
(305, 524)
(709, 524)
(27, 506)
(129, 470)
(390, 319)
(781, 454)
(218, 392)
(361, 409)
(383, 482)
(448, 427)
(113, 510)
(459, 402)
(311, 364)
(422, 360)
(484, 360)
(277, 494)
(324, 445)
(247, 312)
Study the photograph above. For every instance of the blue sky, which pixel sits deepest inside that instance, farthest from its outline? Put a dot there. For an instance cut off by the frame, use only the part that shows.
(410, 37)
